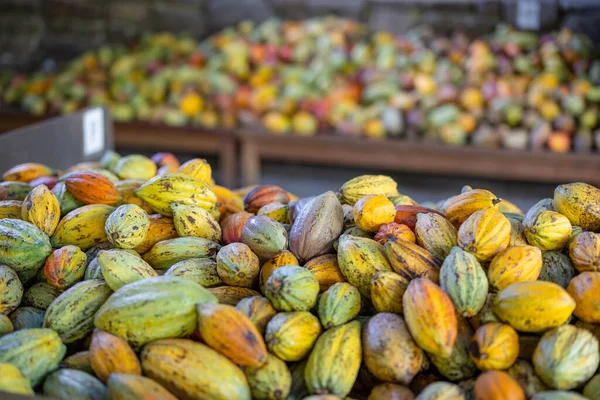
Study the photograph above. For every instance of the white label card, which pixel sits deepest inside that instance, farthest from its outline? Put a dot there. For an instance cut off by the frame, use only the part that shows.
(93, 131)
(529, 14)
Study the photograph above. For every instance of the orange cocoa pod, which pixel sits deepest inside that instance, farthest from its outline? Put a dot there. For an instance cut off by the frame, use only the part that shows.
(92, 188)
(407, 215)
(161, 228)
(263, 195)
(497, 385)
(394, 232)
(65, 267)
(231, 227)
(326, 270)
(111, 354)
(584, 289)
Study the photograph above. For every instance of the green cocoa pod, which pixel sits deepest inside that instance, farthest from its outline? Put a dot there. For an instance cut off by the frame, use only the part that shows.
(75, 385)
(270, 381)
(436, 234)
(265, 236)
(126, 227)
(16, 190)
(66, 200)
(441, 391)
(338, 305)
(168, 252)
(11, 290)
(203, 271)
(458, 365)
(292, 288)
(298, 390)
(557, 268)
(27, 318)
(6, 325)
(93, 270)
(119, 268)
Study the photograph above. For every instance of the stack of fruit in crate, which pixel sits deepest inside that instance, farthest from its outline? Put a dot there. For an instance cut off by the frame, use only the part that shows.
(509, 89)
(140, 278)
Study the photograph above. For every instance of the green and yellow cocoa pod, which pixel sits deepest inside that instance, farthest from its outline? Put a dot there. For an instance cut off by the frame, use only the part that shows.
(16, 348)
(291, 336)
(270, 381)
(359, 259)
(126, 227)
(203, 271)
(276, 210)
(338, 305)
(66, 201)
(65, 267)
(13, 381)
(441, 391)
(548, 230)
(436, 234)
(74, 384)
(412, 261)
(458, 365)
(364, 185)
(266, 237)
(539, 207)
(463, 279)
(135, 166)
(10, 209)
(42, 209)
(292, 288)
(195, 221)
(16, 190)
(387, 289)
(82, 227)
(334, 362)
(557, 268)
(237, 265)
(120, 267)
(167, 304)
(192, 371)
(579, 203)
(258, 309)
(133, 387)
(71, 314)
(23, 247)
(11, 290)
(27, 318)
(6, 325)
(168, 252)
(484, 234)
(514, 264)
(558, 395)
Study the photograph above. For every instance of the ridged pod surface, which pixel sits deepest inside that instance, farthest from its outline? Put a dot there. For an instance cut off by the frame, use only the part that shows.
(278, 211)
(197, 168)
(40, 295)
(463, 279)
(13, 381)
(23, 247)
(457, 366)
(412, 261)
(359, 259)
(10, 209)
(11, 290)
(494, 346)
(548, 230)
(372, 211)
(232, 334)
(584, 251)
(133, 387)
(430, 317)
(566, 357)
(387, 289)
(436, 234)
(584, 289)
(195, 221)
(557, 268)
(74, 384)
(270, 381)
(534, 306)
(334, 362)
(135, 166)
(203, 271)
(66, 200)
(461, 207)
(65, 267)
(318, 224)
(497, 385)
(265, 236)
(517, 231)
(291, 336)
(27, 172)
(258, 309)
(231, 226)
(42, 209)
(232, 294)
(16, 348)
(161, 228)
(72, 313)
(193, 371)
(580, 203)
(127, 226)
(515, 264)
(262, 195)
(168, 252)
(326, 270)
(153, 308)
(15, 190)
(119, 268)
(284, 258)
(82, 227)
(163, 190)
(127, 191)
(441, 391)
(92, 188)
(292, 288)
(228, 203)
(338, 305)
(237, 265)
(364, 185)
(394, 232)
(389, 351)
(484, 234)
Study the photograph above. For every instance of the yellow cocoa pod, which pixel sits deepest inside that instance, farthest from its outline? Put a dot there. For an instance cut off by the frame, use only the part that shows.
(436, 234)
(127, 191)
(291, 335)
(111, 354)
(278, 211)
(494, 346)
(284, 258)
(232, 295)
(387, 290)
(197, 168)
(584, 288)
(580, 203)
(13, 381)
(548, 230)
(461, 207)
(227, 202)
(27, 172)
(195, 221)
(584, 251)
(258, 309)
(334, 362)
(412, 261)
(534, 306)
(163, 190)
(237, 265)
(364, 185)
(120, 267)
(82, 227)
(193, 371)
(133, 387)
(161, 228)
(506, 206)
(232, 334)
(203, 271)
(127, 226)
(135, 166)
(484, 234)
(430, 317)
(326, 270)
(515, 264)
(10, 209)
(402, 200)
(42, 209)
(372, 211)
(272, 380)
